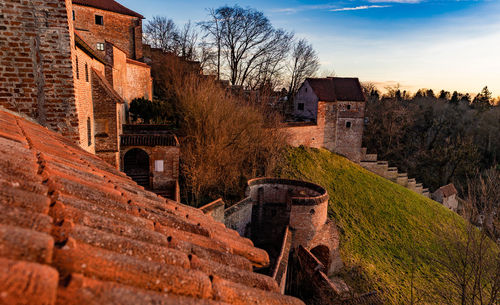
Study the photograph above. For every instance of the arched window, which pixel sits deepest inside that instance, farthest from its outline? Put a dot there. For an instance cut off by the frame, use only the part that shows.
(348, 107)
(348, 124)
(86, 72)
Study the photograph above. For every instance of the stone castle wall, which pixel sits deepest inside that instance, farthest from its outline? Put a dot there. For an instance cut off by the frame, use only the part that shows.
(139, 81)
(288, 219)
(36, 67)
(308, 133)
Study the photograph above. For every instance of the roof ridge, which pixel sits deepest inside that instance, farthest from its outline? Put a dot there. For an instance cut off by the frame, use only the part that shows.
(108, 5)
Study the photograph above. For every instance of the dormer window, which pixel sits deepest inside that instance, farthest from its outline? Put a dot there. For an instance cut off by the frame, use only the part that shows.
(99, 19)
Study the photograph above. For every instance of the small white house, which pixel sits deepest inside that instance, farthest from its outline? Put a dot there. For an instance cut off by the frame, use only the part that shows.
(447, 195)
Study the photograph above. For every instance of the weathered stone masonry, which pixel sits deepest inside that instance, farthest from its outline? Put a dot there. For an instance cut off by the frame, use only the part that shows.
(36, 70)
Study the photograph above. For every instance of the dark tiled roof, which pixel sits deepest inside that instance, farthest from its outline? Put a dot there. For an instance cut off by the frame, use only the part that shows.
(108, 5)
(74, 230)
(148, 140)
(332, 89)
(448, 190)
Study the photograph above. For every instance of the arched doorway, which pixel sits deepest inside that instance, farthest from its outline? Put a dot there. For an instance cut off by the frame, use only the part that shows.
(136, 166)
(322, 253)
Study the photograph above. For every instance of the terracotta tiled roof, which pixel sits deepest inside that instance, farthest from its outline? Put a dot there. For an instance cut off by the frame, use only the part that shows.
(108, 5)
(74, 230)
(332, 89)
(448, 190)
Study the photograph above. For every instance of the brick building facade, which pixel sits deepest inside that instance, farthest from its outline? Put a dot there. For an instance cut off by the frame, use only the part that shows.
(101, 21)
(74, 66)
(329, 113)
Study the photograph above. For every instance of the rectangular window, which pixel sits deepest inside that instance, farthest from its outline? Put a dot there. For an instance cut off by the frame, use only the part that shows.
(73, 15)
(89, 132)
(99, 19)
(77, 69)
(86, 73)
(100, 46)
(348, 125)
(158, 165)
(300, 106)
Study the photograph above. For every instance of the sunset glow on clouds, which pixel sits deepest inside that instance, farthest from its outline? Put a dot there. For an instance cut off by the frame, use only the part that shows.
(450, 44)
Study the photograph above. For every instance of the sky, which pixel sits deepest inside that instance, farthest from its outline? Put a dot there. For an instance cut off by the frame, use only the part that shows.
(436, 44)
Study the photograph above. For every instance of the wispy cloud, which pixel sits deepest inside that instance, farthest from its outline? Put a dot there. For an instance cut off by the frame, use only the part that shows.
(396, 1)
(357, 8)
(301, 8)
(336, 8)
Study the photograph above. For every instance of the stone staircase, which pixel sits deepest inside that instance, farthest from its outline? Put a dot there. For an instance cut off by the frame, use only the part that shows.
(382, 168)
(140, 178)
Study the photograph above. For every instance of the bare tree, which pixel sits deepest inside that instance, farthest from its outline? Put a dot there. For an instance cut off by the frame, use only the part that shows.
(225, 141)
(483, 202)
(207, 57)
(245, 37)
(213, 28)
(471, 268)
(304, 63)
(186, 42)
(161, 33)
(269, 68)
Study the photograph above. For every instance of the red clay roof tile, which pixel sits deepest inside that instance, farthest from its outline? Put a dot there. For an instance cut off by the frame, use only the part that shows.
(27, 245)
(69, 210)
(83, 291)
(23, 218)
(27, 283)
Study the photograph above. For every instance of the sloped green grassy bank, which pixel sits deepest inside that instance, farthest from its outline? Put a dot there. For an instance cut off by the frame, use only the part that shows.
(391, 236)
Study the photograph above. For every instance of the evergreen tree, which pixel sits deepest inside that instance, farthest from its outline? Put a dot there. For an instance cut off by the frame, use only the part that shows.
(482, 101)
